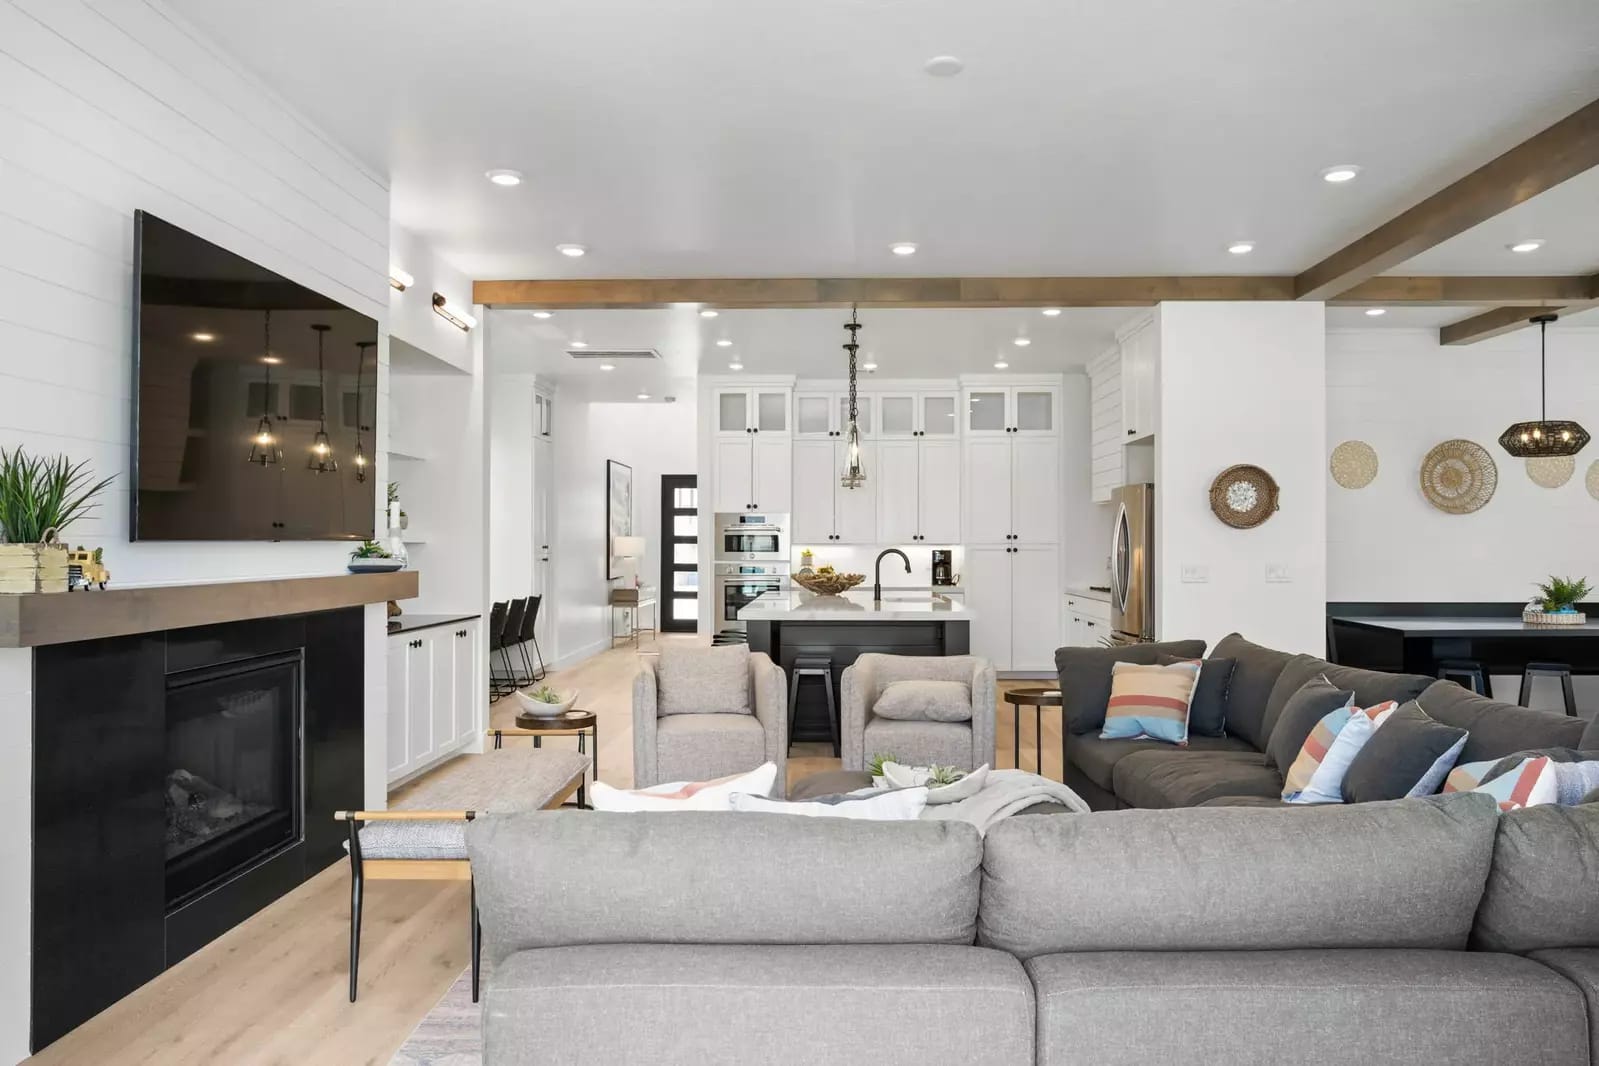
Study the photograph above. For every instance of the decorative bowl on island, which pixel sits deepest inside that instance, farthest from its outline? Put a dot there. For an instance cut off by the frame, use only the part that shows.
(828, 583)
(553, 705)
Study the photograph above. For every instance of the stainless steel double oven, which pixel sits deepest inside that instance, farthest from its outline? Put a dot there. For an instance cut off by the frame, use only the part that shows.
(751, 558)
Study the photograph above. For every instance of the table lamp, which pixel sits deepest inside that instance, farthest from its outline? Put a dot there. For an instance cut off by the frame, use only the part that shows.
(629, 550)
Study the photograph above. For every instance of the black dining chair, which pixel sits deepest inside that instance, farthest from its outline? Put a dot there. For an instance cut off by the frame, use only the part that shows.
(494, 638)
(512, 635)
(527, 636)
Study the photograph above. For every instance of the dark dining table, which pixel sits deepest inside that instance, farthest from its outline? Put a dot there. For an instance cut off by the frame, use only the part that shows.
(1417, 643)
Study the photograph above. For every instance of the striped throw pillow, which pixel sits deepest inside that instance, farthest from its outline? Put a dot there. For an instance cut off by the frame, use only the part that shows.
(1317, 775)
(1150, 701)
(1528, 785)
(1468, 776)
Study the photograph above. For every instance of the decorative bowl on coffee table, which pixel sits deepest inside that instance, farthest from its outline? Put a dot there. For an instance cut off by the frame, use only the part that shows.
(541, 709)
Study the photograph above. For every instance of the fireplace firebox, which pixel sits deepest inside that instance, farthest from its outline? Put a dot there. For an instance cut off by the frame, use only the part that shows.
(233, 794)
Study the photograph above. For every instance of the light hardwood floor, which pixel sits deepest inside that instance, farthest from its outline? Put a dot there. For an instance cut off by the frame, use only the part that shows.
(273, 990)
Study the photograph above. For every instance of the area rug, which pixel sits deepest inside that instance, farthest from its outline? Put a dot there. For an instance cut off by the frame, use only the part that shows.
(451, 1034)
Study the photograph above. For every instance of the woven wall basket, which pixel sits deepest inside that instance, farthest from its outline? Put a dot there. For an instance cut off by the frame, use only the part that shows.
(1458, 477)
(33, 568)
(1243, 496)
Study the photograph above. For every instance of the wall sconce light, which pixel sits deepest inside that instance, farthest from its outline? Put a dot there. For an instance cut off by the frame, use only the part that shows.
(452, 314)
(399, 279)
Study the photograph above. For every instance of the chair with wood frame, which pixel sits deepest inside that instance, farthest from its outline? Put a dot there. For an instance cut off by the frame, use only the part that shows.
(423, 837)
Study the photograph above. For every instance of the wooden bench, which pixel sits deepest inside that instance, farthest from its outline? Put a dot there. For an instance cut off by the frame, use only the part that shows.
(423, 836)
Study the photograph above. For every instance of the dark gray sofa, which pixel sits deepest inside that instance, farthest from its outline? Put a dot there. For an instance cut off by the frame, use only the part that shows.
(1382, 933)
(1234, 770)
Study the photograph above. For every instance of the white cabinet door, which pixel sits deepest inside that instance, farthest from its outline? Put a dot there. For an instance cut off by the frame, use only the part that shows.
(940, 414)
(939, 485)
(1140, 351)
(468, 693)
(864, 405)
(774, 474)
(441, 705)
(733, 413)
(770, 408)
(855, 510)
(814, 481)
(1035, 595)
(813, 414)
(897, 492)
(987, 581)
(1035, 490)
(418, 703)
(986, 490)
(735, 474)
(896, 414)
(1035, 411)
(987, 412)
(399, 748)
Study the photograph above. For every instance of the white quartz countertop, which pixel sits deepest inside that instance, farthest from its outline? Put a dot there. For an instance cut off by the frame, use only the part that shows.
(851, 607)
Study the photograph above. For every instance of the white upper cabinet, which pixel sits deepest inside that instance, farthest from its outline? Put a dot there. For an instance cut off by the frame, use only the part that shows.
(774, 474)
(826, 414)
(855, 510)
(1035, 491)
(897, 411)
(1035, 411)
(757, 410)
(1026, 410)
(1140, 354)
(824, 511)
(940, 495)
(940, 417)
(987, 490)
(898, 498)
(987, 413)
(733, 411)
(735, 474)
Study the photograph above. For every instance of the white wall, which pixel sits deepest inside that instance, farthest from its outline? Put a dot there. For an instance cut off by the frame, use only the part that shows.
(105, 108)
(1242, 383)
(1402, 393)
(1086, 525)
(511, 546)
(411, 314)
(652, 438)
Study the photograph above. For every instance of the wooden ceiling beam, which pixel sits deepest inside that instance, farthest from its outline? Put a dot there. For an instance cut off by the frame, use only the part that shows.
(1466, 291)
(1502, 320)
(1536, 165)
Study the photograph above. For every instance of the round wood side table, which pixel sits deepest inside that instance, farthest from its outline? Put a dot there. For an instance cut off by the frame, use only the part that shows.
(1037, 699)
(574, 723)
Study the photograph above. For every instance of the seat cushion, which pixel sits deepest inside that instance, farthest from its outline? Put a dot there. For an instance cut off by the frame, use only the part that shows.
(1085, 676)
(1580, 966)
(701, 747)
(1248, 1008)
(1541, 890)
(1097, 758)
(694, 680)
(1188, 778)
(920, 743)
(734, 1005)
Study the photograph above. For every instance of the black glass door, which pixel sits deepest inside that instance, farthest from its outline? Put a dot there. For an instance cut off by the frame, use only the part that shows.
(680, 554)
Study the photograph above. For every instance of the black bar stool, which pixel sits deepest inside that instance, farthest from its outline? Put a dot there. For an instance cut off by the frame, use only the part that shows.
(1560, 670)
(813, 666)
(1475, 678)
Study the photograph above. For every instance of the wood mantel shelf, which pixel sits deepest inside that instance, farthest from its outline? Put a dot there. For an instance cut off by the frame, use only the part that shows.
(32, 619)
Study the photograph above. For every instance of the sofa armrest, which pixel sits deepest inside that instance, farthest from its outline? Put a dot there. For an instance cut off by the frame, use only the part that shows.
(984, 697)
(645, 703)
(856, 686)
(770, 700)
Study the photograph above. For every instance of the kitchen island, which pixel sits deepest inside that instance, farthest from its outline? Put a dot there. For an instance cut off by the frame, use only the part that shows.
(786, 625)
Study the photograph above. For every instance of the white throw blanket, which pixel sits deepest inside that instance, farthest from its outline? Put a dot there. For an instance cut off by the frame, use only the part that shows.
(1006, 792)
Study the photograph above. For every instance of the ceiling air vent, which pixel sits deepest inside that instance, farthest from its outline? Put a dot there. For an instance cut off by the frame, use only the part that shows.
(614, 355)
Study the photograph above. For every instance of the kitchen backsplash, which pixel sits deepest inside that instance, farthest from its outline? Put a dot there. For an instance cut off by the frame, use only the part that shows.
(858, 559)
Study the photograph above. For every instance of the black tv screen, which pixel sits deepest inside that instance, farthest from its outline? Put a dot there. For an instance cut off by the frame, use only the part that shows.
(254, 400)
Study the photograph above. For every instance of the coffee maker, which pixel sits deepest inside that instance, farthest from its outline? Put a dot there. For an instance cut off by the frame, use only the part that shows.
(943, 567)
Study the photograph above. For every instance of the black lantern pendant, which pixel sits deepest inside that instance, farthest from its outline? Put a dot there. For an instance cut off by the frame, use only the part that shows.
(321, 460)
(264, 447)
(360, 459)
(1544, 438)
(854, 473)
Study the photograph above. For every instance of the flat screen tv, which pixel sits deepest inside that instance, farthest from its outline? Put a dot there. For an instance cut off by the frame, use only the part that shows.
(254, 400)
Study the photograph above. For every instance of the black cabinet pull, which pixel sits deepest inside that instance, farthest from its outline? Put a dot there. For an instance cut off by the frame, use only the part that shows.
(1132, 432)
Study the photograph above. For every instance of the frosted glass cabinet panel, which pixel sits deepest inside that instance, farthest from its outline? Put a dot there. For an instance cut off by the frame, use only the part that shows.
(1035, 411)
(985, 411)
(732, 412)
(939, 415)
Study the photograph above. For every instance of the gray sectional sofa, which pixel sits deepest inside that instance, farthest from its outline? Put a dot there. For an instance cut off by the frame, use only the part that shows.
(1427, 930)
(1233, 769)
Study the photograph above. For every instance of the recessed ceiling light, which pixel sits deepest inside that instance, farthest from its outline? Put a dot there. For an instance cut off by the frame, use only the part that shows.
(643, 395)
(572, 251)
(1341, 173)
(724, 343)
(504, 177)
(869, 367)
(709, 313)
(542, 314)
(902, 248)
(1051, 312)
(1022, 342)
(580, 344)
(607, 366)
(1000, 364)
(1375, 311)
(1241, 247)
(203, 338)
(943, 66)
(1532, 244)
(735, 365)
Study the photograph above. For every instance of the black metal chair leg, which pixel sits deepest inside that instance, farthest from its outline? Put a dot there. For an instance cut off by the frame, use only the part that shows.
(544, 671)
(793, 705)
(477, 944)
(356, 883)
(510, 671)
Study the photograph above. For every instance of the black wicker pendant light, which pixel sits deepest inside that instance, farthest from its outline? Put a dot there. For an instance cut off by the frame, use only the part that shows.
(1544, 438)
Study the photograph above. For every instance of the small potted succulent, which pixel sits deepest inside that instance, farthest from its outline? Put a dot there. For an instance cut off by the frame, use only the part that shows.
(373, 558)
(1556, 602)
(39, 499)
(545, 702)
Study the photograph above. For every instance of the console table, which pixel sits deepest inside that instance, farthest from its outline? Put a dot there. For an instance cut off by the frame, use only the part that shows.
(633, 601)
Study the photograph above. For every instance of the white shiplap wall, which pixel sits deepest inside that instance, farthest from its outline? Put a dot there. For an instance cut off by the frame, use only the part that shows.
(107, 106)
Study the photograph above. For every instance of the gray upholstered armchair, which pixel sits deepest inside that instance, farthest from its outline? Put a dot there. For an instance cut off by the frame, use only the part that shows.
(967, 744)
(703, 713)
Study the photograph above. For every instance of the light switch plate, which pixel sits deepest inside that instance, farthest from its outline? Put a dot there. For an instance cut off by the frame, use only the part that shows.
(1276, 572)
(1196, 575)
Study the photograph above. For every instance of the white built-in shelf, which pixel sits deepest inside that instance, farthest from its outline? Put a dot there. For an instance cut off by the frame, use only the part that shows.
(406, 452)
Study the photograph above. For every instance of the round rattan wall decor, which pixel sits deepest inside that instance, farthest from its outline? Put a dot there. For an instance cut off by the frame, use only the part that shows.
(1243, 496)
(1551, 471)
(1458, 477)
(1354, 464)
(1592, 479)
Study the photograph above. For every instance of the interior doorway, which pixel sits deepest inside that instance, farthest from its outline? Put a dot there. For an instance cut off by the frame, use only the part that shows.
(680, 553)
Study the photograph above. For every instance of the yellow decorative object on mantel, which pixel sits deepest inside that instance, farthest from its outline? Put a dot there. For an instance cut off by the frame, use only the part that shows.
(39, 499)
(33, 568)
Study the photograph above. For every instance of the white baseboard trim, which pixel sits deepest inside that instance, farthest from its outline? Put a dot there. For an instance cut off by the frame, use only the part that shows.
(566, 662)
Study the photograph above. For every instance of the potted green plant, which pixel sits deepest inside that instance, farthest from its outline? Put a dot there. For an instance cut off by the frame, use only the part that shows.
(1556, 602)
(39, 499)
(372, 557)
(545, 702)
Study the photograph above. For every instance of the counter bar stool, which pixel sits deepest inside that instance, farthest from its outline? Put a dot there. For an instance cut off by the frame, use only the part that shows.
(1560, 670)
(813, 666)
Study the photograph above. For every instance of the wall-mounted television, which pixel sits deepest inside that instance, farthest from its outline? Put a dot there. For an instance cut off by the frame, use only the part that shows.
(254, 400)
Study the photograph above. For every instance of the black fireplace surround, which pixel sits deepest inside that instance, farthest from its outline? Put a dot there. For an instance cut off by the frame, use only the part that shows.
(181, 782)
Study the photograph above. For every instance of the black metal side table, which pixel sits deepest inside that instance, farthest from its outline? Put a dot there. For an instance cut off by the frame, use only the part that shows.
(1037, 699)
(583, 725)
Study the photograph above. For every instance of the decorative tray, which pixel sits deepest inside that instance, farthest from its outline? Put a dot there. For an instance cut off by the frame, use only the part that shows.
(828, 584)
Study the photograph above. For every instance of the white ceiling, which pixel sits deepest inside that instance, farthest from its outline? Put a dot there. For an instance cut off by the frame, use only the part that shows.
(707, 138)
(1566, 217)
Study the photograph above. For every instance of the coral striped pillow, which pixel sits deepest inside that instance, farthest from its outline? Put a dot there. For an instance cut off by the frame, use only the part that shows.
(1528, 785)
(1150, 701)
(1468, 776)
(1317, 775)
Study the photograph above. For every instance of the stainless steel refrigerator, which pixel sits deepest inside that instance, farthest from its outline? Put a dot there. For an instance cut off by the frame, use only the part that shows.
(1132, 565)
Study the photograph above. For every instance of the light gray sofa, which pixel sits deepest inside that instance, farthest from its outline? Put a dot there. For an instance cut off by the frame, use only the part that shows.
(677, 738)
(863, 735)
(1429, 930)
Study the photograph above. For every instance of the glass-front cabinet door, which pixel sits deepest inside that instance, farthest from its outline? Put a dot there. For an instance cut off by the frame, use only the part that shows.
(896, 414)
(1034, 410)
(732, 410)
(985, 412)
(863, 413)
(771, 410)
(811, 414)
(939, 415)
